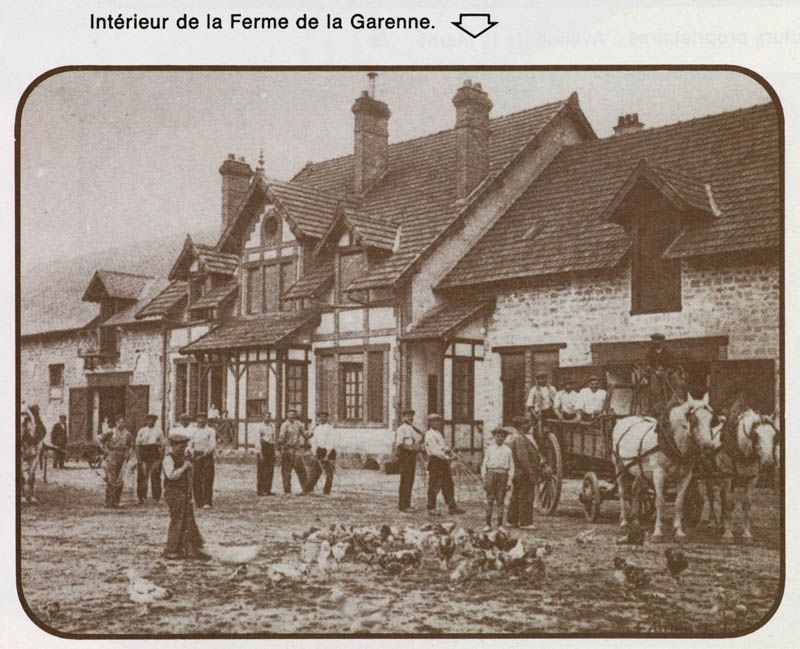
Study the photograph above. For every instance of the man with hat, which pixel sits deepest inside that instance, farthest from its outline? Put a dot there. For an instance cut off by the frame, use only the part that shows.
(324, 459)
(150, 444)
(496, 470)
(265, 469)
(58, 439)
(592, 399)
(407, 441)
(659, 363)
(525, 454)
(292, 439)
(117, 445)
(440, 476)
(566, 403)
(202, 446)
(541, 397)
(184, 426)
(659, 358)
(184, 540)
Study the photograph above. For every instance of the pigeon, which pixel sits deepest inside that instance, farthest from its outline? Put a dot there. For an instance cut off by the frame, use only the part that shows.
(676, 562)
(144, 592)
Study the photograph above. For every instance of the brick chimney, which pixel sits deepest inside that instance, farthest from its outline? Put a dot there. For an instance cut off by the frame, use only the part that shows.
(472, 137)
(236, 176)
(371, 138)
(628, 124)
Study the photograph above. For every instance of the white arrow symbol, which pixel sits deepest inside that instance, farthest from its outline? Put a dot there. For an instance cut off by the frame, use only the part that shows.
(474, 24)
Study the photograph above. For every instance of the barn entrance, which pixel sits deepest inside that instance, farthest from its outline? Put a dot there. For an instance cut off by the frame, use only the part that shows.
(111, 404)
(89, 406)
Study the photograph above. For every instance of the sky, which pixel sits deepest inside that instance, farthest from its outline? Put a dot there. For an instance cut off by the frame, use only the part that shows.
(110, 157)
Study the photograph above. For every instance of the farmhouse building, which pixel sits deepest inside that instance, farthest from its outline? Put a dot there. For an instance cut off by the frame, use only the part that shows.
(443, 272)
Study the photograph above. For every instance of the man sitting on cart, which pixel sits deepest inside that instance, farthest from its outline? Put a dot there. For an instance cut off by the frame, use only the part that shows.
(567, 402)
(591, 400)
(541, 400)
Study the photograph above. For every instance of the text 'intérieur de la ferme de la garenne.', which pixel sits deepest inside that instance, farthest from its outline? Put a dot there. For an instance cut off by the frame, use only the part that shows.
(244, 22)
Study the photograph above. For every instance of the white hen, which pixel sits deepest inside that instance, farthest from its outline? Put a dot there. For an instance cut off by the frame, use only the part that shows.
(233, 555)
(144, 592)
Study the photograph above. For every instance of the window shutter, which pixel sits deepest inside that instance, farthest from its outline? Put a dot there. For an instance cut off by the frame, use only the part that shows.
(326, 385)
(192, 369)
(375, 390)
(78, 414)
(137, 401)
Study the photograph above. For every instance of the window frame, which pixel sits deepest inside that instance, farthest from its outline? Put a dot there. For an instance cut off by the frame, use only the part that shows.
(260, 268)
(55, 390)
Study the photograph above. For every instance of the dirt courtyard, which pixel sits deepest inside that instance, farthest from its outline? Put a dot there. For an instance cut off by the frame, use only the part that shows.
(75, 554)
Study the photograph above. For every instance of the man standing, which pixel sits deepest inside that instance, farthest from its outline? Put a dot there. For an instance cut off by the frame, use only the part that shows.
(150, 444)
(440, 476)
(183, 538)
(496, 469)
(659, 364)
(591, 400)
(184, 427)
(324, 459)
(292, 439)
(407, 445)
(526, 474)
(117, 444)
(202, 446)
(58, 438)
(541, 397)
(566, 402)
(265, 470)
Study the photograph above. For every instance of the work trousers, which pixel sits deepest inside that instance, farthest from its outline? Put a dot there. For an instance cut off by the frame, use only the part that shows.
(148, 470)
(265, 471)
(520, 509)
(115, 461)
(183, 537)
(324, 462)
(440, 478)
(407, 461)
(203, 480)
(292, 460)
(59, 457)
(495, 484)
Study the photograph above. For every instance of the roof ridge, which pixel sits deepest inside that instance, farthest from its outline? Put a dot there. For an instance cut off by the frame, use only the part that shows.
(122, 272)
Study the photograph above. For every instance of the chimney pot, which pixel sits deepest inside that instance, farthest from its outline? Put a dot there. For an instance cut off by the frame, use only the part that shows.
(371, 134)
(236, 175)
(628, 123)
(620, 120)
(231, 156)
(472, 137)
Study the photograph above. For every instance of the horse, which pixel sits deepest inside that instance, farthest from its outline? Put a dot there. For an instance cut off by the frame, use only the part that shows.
(750, 441)
(32, 433)
(657, 451)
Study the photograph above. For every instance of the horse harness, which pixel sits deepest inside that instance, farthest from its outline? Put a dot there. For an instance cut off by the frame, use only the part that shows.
(730, 445)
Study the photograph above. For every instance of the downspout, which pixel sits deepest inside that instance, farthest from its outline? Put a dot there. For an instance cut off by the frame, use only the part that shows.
(164, 380)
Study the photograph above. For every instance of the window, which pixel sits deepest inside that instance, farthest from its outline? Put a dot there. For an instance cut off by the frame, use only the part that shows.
(375, 386)
(296, 378)
(352, 385)
(196, 288)
(351, 266)
(272, 288)
(463, 390)
(270, 230)
(287, 279)
(56, 378)
(655, 281)
(257, 383)
(109, 341)
(265, 283)
(352, 382)
(197, 386)
(255, 289)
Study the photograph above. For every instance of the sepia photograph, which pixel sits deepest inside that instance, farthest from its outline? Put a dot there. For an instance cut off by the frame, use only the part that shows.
(414, 352)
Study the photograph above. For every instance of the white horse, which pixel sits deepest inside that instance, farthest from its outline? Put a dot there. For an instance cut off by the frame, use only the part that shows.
(637, 454)
(751, 442)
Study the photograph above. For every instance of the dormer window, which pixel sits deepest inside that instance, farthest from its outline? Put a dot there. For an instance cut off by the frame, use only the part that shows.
(196, 288)
(655, 281)
(352, 264)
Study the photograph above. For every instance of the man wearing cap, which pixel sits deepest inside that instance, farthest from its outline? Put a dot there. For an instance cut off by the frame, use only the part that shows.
(292, 439)
(440, 476)
(659, 358)
(407, 441)
(184, 540)
(324, 459)
(541, 397)
(659, 363)
(526, 458)
(117, 444)
(591, 400)
(265, 469)
(150, 444)
(58, 438)
(566, 402)
(497, 469)
(184, 426)
(202, 446)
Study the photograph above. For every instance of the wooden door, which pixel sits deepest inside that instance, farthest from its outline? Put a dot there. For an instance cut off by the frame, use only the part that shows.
(512, 376)
(79, 414)
(137, 401)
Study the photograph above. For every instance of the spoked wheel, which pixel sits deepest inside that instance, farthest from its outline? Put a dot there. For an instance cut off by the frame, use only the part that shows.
(644, 502)
(550, 483)
(692, 505)
(590, 497)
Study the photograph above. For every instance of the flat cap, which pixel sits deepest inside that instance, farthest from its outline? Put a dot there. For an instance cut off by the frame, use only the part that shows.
(434, 416)
(594, 377)
(151, 416)
(541, 375)
(501, 431)
(409, 411)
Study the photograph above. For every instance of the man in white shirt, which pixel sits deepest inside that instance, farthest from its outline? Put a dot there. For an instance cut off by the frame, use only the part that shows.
(150, 445)
(440, 477)
(184, 427)
(265, 467)
(213, 413)
(407, 443)
(591, 400)
(202, 447)
(541, 397)
(497, 471)
(324, 454)
(567, 402)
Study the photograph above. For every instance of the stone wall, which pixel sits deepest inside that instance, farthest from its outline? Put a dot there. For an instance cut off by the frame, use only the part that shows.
(720, 298)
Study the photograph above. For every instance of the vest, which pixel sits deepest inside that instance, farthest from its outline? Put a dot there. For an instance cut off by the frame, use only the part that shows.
(183, 481)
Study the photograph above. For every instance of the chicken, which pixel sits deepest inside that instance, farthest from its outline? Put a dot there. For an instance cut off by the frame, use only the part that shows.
(535, 570)
(367, 617)
(465, 571)
(585, 537)
(517, 552)
(144, 592)
(323, 560)
(543, 550)
(341, 550)
(233, 555)
(677, 562)
(635, 536)
(51, 611)
(446, 549)
(280, 573)
(309, 552)
(337, 596)
(631, 577)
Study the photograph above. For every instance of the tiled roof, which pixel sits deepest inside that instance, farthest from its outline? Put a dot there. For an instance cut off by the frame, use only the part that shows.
(310, 210)
(243, 332)
(418, 192)
(371, 233)
(735, 152)
(164, 301)
(216, 262)
(441, 321)
(312, 282)
(130, 314)
(116, 285)
(50, 295)
(215, 296)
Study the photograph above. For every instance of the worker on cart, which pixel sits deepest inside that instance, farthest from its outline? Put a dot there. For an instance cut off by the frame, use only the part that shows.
(541, 397)
(591, 400)
(566, 403)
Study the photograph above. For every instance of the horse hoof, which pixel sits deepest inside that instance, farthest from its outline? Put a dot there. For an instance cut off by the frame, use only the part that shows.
(679, 538)
(657, 538)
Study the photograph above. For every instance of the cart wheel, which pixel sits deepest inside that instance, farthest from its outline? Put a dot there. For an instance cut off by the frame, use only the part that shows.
(590, 497)
(692, 505)
(550, 484)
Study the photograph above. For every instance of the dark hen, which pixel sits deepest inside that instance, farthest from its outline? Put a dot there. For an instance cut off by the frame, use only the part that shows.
(677, 562)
